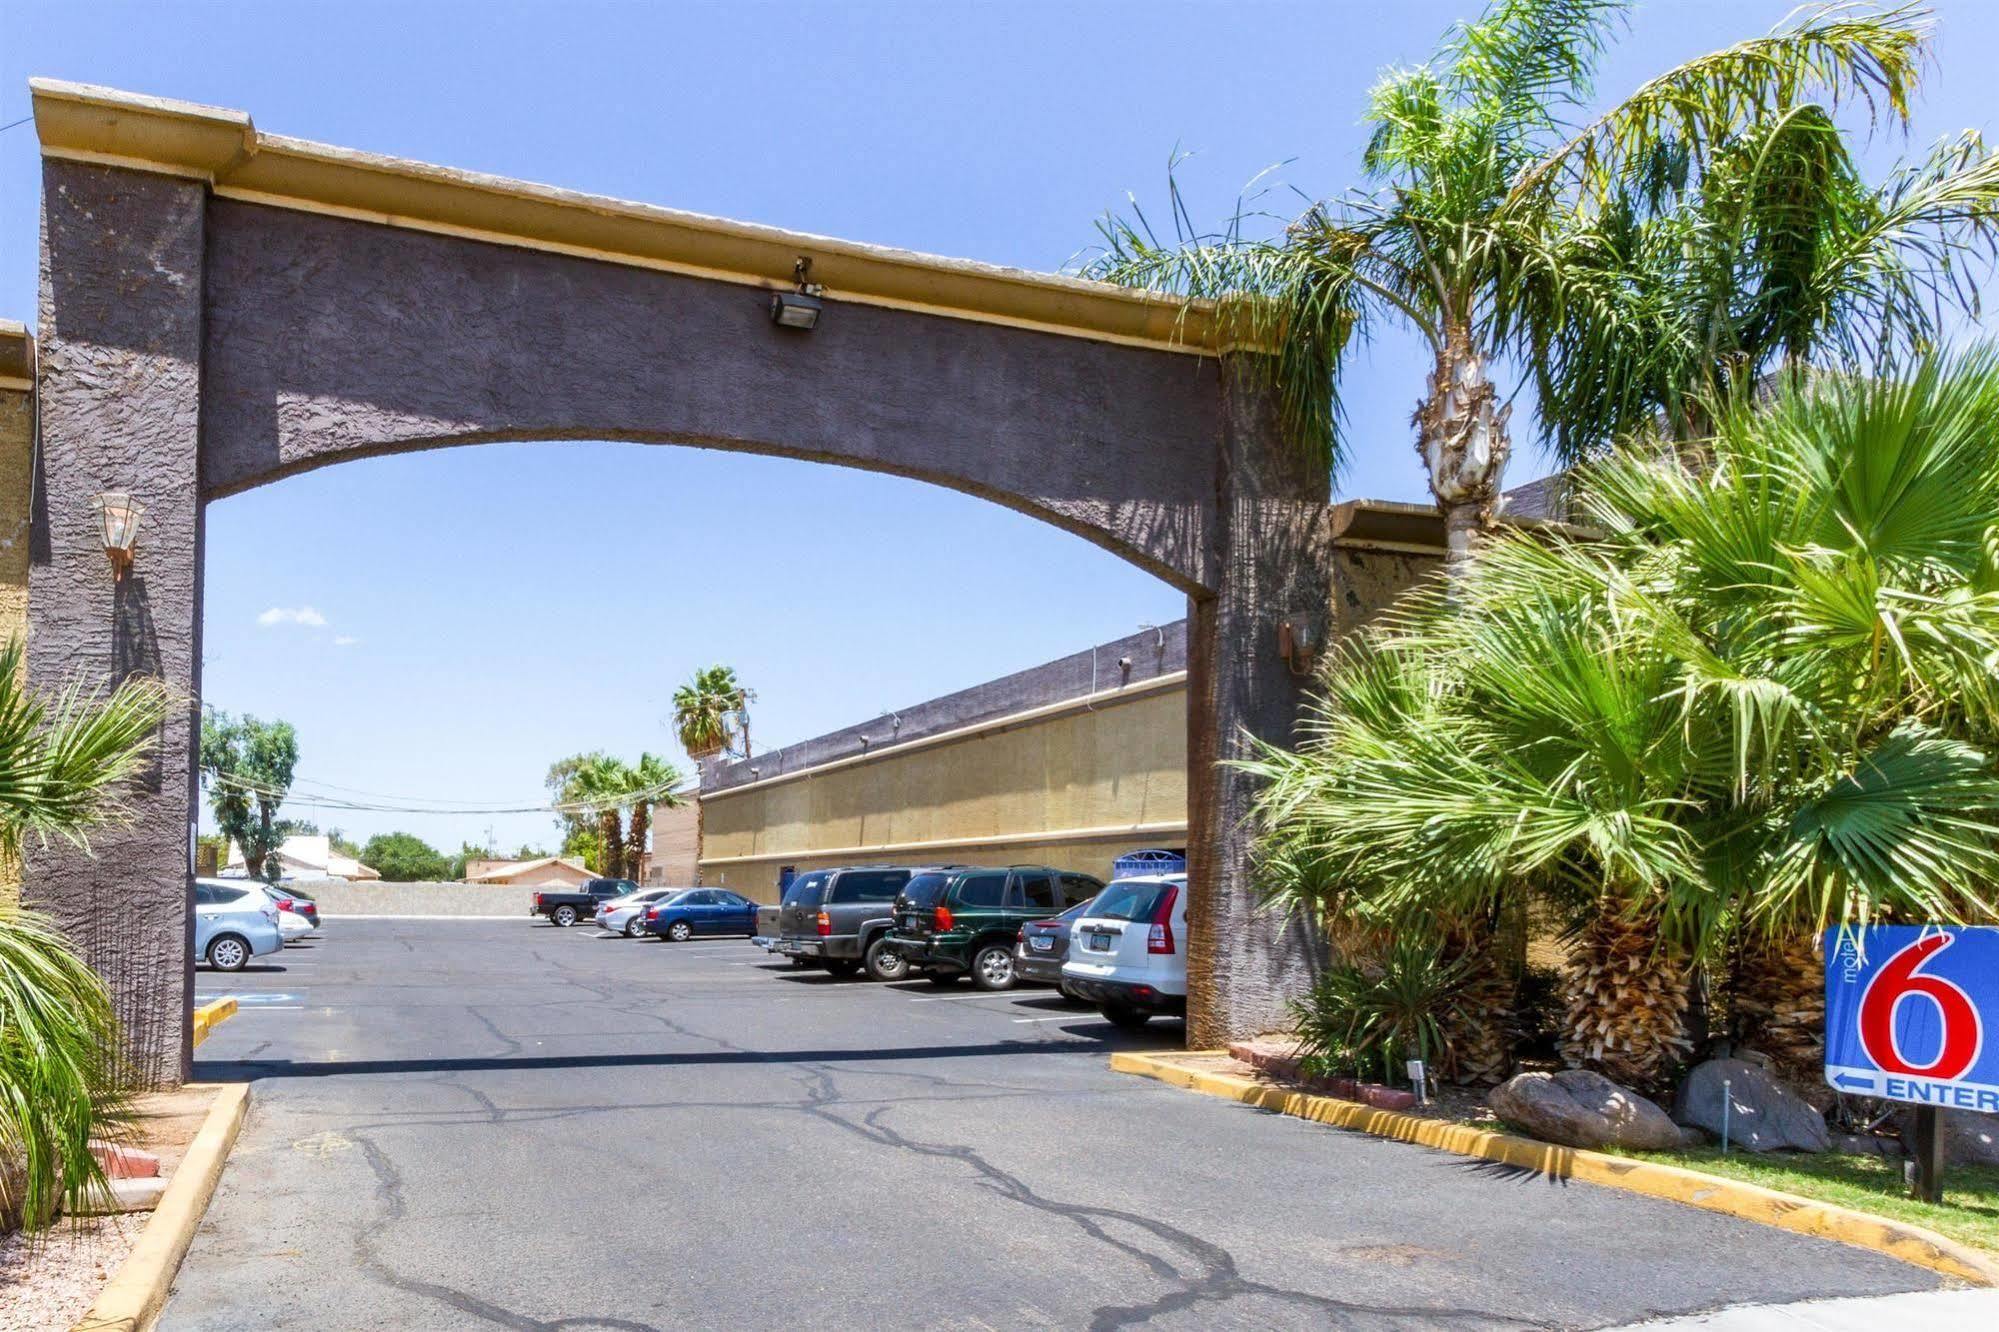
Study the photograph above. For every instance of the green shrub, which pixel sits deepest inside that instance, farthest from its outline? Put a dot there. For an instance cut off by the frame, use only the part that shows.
(1374, 1012)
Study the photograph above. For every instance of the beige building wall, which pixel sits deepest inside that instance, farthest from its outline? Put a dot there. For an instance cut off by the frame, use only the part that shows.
(676, 844)
(1073, 786)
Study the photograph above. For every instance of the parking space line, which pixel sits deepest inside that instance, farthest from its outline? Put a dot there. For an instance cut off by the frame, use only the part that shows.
(1066, 1017)
(960, 998)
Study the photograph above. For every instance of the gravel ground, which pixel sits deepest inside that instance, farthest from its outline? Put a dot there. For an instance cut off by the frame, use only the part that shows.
(48, 1281)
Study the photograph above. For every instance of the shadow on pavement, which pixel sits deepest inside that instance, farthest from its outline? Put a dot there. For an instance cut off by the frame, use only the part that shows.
(246, 1070)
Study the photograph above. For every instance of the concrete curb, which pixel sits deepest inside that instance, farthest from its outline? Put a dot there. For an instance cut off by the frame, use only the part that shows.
(131, 1301)
(1751, 1202)
(210, 1016)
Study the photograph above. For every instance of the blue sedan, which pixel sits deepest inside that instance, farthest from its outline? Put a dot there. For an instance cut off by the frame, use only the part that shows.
(702, 911)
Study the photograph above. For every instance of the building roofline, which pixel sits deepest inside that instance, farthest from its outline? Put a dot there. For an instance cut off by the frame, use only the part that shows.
(224, 149)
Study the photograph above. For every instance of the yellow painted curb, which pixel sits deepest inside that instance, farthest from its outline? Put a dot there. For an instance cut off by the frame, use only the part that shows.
(1751, 1202)
(131, 1301)
(210, 1016)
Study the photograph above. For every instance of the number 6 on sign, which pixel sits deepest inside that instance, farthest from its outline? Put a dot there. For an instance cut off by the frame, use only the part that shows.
(1907, 1009)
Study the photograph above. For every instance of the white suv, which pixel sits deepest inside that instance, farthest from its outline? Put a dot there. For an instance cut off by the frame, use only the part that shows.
(1128, 952)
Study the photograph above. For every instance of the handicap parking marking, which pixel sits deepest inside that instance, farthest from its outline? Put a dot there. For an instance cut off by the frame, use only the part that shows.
(255, 999)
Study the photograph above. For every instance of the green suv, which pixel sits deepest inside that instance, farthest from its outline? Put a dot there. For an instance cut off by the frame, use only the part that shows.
(951, 922)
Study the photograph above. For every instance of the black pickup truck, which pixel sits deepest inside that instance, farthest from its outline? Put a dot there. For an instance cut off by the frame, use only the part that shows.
(568, 908)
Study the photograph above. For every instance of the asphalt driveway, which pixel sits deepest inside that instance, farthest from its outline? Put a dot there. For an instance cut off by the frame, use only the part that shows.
(502, 1124)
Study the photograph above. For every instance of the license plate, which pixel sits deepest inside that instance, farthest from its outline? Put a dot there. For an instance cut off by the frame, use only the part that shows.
(1041, 945)
(1101, 942)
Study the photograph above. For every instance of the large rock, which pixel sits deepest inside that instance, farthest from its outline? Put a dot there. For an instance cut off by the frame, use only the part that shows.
(1764, 1115)
(1577, 1108)
(1969, 1138)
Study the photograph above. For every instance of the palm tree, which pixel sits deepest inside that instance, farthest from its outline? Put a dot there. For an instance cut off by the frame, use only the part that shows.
(1761, 702)
(653, 780)
(64, 760)
(601, 786)
(1492, 226)
(704, 710)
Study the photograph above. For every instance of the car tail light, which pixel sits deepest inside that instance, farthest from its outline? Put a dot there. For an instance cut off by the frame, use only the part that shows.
(1160, 938)
(537, 901)
(1043, 925)
(652, 913)
(944, 921)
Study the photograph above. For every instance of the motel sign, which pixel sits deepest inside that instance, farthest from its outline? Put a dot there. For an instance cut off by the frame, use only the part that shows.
(1912, 1014)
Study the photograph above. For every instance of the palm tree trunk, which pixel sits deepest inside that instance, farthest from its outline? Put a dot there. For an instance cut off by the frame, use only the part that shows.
(1624, 994)
(610, 832)
(1480, 1033)
(1463, 438)
(1779, 1003)
(635, 842)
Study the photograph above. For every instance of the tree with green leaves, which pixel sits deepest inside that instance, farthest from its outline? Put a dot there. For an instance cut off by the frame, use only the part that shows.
(1708, 225)
(1758, 701)
(247, 766)
(705, 710)
(401, 857)
(65, 758)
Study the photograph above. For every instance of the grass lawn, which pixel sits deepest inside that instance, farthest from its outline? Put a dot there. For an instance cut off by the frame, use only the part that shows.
(1969, 1212)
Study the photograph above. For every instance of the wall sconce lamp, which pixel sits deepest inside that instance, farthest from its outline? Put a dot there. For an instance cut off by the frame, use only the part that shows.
(118, 514)
(797, 309)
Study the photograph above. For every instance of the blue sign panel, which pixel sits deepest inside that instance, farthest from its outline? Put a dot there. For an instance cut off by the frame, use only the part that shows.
(1908, 1013)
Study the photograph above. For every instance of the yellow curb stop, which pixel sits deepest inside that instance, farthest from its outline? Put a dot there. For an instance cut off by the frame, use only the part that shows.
(210, 1016)
(1751, 1202)
(131, 1301)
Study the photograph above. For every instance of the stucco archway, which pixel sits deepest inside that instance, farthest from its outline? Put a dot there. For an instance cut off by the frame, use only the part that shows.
(221, 308)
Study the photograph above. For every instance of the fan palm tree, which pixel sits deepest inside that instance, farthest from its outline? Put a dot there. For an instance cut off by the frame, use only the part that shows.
(601, 785)
(1493, 225)
(1762, 701)
(64, 760)
(704, 710)
(652, 783)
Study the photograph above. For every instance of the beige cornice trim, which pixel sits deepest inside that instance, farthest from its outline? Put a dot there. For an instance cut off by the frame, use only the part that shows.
(81, 122)
(17, 357)
(1081, 703)
(879, 849)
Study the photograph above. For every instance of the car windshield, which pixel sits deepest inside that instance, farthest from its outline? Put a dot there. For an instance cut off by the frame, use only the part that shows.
(680, 898)
(925, 889)
(1076, 912)
(1135, 899)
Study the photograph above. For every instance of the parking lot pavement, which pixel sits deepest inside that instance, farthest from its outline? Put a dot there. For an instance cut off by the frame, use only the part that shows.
(472, 1124)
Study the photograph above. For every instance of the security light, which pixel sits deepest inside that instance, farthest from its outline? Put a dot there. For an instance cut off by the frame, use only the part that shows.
(797, 309)
(118, 515)
(794, 309)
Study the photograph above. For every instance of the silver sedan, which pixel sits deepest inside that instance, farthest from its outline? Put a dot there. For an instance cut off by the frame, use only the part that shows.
(627, 915)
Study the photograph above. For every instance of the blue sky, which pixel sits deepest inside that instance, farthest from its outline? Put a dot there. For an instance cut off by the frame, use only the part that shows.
(484, 611)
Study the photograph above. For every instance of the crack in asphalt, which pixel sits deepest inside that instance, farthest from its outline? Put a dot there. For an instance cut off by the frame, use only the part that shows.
(389, 1191)
(1218, 1278)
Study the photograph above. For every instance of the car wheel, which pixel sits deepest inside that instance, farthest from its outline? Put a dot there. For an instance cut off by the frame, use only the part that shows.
(941, 978)
(635, 928)
(228, 953)
(680, 931)
(992, 967)
(1121, 1015)
(564, 916)
(886, 962)
(843, 967)
(800, 963)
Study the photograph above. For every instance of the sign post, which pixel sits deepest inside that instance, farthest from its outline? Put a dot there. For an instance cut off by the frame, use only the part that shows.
(1907, 1012)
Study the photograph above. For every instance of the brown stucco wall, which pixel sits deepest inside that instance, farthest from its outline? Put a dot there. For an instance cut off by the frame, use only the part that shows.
(119, 408)
(195, 346)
